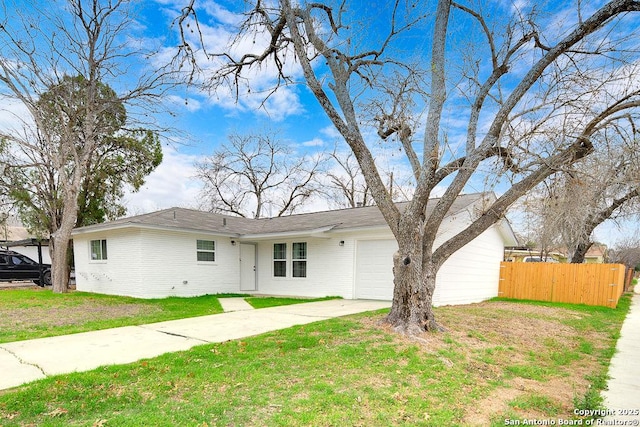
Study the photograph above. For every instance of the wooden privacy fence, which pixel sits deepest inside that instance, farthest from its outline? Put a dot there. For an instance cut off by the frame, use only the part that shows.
(591, 284)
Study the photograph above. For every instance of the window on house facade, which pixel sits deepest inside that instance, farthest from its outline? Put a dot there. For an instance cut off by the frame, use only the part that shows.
(299, 259)
(98, 250)
(206, 250)
(279, 260)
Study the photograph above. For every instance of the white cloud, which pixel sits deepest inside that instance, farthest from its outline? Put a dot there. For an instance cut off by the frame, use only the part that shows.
(218, 31)
(315, 142)
(221, 14)
(171, 184)
(331, 132)
(14, 115)
(280, 105)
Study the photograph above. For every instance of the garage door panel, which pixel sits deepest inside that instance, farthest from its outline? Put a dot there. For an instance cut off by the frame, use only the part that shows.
(374, 269)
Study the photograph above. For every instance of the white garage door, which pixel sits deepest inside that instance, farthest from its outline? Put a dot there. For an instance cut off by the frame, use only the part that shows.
(374, 274)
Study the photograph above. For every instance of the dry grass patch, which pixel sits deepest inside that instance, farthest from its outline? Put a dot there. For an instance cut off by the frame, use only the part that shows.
(31, 318)
(516, 350)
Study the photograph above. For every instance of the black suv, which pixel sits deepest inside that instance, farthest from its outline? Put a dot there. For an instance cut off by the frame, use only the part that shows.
(15, 266)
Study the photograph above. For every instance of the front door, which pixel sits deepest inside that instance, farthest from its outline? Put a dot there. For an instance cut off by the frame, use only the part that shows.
(247, 267)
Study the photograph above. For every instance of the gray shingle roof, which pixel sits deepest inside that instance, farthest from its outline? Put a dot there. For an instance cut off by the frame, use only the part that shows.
(188, 219)
(179, 219)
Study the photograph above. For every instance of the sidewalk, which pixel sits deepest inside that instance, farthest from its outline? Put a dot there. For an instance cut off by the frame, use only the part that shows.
(623, 387)
(234, 304)
(25, 361)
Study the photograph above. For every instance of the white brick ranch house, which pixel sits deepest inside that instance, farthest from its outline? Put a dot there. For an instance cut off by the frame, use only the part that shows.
(347, 253)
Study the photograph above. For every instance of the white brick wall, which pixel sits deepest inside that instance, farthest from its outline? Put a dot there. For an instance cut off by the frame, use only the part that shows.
(119, 274)
(156, 264)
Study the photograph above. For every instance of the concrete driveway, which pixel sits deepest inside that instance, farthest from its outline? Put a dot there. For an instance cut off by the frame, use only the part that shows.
(26, 361)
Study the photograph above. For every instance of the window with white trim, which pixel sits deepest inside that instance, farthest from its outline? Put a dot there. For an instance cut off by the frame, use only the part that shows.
(299, 259)
(206, 250)
(279, 260)
(98, 250)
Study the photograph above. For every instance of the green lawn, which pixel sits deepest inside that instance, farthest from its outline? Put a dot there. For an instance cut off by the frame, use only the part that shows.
(264, 302)
(37, 313)
(498, 360)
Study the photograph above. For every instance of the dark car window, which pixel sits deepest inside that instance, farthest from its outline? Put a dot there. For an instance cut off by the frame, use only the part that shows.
(3, 259)
(17, 260)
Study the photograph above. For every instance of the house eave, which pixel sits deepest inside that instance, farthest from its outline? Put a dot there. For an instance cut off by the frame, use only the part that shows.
(320, 232)
(133, 225)
(506, 232)
(368, 228)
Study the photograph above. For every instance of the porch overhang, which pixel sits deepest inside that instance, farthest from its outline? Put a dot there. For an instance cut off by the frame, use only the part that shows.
(319, 233)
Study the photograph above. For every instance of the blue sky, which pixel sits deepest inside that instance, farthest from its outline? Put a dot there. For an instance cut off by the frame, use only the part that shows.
(205, 120)
(202, 121)
(292, 111)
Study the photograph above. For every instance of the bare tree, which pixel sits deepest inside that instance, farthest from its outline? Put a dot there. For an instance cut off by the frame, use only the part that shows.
(602, 187)
(346, 187)
(610, 186)
(40, 46)
(538, 221)
(124, 157)
(627, 252)
(537, 98)
(257, 176)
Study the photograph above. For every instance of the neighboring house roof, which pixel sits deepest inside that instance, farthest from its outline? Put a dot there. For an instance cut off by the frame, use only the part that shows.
(526, 251)
(308, 223)
(10, 234)
(596, 251)
(12, 230)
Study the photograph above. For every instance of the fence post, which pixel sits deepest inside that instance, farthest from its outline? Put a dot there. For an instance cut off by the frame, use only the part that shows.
(628, 280)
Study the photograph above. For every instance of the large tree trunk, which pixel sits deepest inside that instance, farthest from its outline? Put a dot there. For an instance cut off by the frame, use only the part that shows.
(414, 279)
(412, 308)
(59, 261)
(62, 236)
(580, 252)
(59, 265)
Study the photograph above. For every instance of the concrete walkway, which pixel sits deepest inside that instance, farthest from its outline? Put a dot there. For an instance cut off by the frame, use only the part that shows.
(623, 388)
(26, 361)
(234, 304)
